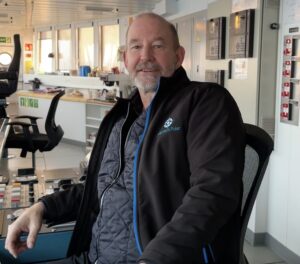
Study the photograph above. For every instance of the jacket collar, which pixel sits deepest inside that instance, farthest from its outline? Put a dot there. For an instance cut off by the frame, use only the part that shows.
(176, 81)
(167, 84)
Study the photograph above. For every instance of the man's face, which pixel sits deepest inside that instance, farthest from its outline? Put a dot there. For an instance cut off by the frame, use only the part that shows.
(151, 52)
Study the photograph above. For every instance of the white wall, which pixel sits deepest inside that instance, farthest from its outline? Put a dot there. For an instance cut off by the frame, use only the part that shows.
(284, 195)
(185, 7)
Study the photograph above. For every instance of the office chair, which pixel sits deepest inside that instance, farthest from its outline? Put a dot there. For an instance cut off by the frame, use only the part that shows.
(9, 78)
(30, 139)
(259, 146)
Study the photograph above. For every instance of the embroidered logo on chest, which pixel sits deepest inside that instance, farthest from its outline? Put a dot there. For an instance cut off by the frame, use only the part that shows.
(168, 127)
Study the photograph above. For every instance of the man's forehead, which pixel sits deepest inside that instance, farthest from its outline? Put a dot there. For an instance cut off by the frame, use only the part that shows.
(149, 23)
(139, 39)
(141, 28)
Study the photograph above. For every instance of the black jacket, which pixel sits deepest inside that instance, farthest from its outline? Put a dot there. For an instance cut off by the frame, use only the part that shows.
(188, 179)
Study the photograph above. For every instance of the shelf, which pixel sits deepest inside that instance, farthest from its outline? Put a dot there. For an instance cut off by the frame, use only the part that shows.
(295, 80)
(92, 126)
(94, 118)
(295, 58)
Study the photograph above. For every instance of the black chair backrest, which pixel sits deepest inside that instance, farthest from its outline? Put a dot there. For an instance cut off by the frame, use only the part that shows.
(15, 63)
(11, 85)
(54, 132)
(259, 146)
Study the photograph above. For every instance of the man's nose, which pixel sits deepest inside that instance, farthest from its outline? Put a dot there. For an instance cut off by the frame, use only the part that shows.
(147, 53)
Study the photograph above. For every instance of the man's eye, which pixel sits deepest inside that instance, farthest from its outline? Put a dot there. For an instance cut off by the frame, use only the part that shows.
(157, 46)
(135, 47)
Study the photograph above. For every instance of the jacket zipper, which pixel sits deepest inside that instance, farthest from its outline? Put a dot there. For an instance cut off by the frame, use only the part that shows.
(135, 178)
(135, 183)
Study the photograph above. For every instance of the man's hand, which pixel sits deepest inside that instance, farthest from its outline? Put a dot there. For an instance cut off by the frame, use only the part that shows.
(30, 221)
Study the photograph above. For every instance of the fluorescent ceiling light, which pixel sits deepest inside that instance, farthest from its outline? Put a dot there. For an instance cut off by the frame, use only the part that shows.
(99, 8)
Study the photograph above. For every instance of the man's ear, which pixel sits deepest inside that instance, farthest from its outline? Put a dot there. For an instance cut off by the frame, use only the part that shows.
(180, 52)
(125, 58)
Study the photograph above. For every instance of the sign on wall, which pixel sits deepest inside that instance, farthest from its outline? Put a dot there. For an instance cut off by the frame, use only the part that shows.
(29, 102)
(5, 40)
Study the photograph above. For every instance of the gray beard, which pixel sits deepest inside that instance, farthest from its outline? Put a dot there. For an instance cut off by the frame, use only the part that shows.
(146, 87)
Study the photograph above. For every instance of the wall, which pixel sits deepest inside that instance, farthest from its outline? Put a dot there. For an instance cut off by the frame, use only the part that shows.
(185, 8)
(284, 195)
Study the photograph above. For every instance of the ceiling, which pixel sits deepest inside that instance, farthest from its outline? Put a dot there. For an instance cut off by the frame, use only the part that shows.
(31, 13)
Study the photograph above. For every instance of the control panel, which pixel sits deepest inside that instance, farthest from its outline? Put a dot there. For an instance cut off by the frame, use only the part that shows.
(290, 89)
(215, 76)
(22, 192)
(241, 34)
(215, 38)
(19, 195)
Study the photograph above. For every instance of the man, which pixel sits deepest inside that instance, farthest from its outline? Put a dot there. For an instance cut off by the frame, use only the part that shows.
(164, 179)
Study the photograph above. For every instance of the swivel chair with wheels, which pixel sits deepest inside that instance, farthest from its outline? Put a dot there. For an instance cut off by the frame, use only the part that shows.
(259, 146)
(9, 78)
(30, 139)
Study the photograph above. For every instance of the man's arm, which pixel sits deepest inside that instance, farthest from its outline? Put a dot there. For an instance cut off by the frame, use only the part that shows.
(57, 207)
(30, 221)
(63, 206)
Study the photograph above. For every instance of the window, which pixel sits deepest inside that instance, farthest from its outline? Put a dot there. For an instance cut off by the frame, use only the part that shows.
(5, 59)
(64, 49)
(110, 44)
(45, 49)
(86, 46)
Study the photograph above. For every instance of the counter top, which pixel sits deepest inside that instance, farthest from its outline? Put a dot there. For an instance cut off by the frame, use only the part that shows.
(66, 97)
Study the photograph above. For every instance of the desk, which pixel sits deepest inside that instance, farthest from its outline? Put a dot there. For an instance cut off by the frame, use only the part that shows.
(52, 243)
(49, 246)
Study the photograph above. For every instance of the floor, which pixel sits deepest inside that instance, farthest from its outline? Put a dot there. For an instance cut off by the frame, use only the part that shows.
(69, 156)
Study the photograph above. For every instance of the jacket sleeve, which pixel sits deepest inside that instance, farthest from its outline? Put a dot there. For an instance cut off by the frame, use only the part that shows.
(62, 206)
(215, 151)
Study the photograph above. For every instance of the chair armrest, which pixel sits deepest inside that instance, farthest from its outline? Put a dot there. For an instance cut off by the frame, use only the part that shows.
(23, 124)
(26, 133)
(28, 116)
(8, 75)
(33, 122)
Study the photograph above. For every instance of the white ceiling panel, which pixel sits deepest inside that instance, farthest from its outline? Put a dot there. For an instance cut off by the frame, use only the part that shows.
(31, 13)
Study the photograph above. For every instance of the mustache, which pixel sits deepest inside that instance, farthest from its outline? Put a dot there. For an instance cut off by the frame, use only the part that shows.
(147, 66)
